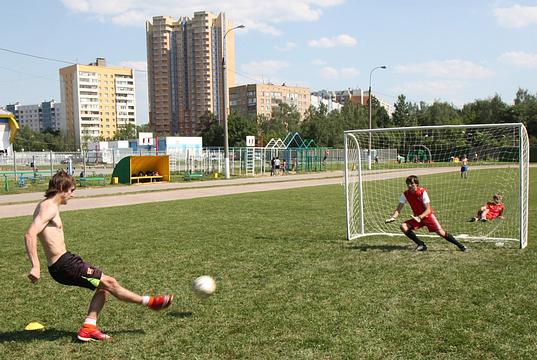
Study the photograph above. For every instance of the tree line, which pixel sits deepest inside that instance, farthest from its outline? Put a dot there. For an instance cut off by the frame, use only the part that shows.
(324, 127)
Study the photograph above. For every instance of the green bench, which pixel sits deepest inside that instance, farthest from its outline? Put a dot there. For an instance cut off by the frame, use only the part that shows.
(84, 181)
(193, 175)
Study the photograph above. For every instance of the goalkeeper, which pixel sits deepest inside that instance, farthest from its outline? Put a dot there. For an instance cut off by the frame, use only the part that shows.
(491, 210)
(423, 215)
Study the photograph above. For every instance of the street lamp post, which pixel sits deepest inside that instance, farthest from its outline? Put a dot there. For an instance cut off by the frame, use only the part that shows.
(224, 97)
(370, 108)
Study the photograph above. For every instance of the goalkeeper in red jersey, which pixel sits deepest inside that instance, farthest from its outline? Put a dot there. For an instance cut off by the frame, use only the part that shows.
(423, 215)
(491, 210)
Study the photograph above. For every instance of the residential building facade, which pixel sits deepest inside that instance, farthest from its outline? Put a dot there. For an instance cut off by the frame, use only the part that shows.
(38, 117)
(356, 96)
(185, 70)
(97, 100)
(259, 99)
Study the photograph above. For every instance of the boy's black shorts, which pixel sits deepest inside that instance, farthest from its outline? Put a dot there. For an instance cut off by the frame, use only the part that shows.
(70, 269)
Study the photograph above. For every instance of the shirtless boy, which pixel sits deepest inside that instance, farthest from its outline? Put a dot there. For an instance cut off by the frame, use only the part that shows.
(69, 269)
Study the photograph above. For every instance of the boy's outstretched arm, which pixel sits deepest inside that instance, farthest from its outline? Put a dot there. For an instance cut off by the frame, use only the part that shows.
(395, 214)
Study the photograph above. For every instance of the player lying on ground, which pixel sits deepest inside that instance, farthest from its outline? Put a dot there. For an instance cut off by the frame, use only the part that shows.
(491, 210)
(423, 215)
(69, 269)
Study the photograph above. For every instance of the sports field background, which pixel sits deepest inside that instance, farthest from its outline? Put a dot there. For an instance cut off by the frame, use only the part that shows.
(289, 286)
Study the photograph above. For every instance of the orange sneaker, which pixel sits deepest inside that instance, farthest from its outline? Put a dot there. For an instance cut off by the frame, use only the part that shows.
(160, 302)
(87, 334)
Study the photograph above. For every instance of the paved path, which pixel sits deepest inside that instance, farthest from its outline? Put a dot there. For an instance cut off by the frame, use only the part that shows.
(24, 204)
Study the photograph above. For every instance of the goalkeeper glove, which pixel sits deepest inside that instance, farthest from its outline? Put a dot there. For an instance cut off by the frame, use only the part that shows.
(390, 220)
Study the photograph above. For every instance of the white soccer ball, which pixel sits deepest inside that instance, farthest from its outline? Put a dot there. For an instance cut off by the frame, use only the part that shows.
(204, 286)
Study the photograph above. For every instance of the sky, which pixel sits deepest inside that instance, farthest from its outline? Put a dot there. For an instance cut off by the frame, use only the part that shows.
(455, 51)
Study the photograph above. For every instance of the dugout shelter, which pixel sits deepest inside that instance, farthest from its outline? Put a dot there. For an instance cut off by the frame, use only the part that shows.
(142, 169)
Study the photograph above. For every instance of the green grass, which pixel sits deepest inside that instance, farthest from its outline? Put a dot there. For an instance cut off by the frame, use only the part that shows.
(289, 286)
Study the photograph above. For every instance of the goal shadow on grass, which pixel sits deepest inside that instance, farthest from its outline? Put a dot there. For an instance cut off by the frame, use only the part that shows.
(383, 248)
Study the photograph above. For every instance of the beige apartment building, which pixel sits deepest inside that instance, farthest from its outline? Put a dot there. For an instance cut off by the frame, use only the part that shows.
(96, 100)
(259, 99)
(185, 72)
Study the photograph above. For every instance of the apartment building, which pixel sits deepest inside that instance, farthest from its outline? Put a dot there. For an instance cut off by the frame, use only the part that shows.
(259, 99)
(356, 96)
(38, 117)
(97, 100)
(185, 73)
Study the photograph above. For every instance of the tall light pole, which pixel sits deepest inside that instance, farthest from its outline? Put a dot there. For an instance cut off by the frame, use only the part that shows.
(224, 97)
(370, 104)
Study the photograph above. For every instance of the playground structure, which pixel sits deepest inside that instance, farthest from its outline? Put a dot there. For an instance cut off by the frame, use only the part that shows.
(140, 169)
(300, 155)
(419, 154)
(8, 130)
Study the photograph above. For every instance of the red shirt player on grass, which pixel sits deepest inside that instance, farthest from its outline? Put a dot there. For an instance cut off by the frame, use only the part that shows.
(423, 215)
(68, 268)
(491, 210)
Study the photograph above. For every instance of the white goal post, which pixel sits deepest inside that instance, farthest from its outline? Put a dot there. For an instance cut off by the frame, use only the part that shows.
(377, 162)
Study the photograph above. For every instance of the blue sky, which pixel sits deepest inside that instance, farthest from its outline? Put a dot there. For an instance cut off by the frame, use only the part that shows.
(455, 51)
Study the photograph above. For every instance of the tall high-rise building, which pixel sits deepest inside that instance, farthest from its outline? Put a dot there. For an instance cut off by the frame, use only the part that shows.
(185, 72)
(97, 100)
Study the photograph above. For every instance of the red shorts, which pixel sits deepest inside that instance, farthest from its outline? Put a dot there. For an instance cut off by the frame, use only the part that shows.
(431, 222)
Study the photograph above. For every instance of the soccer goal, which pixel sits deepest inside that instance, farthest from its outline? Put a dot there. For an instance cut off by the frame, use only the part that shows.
(377, 162)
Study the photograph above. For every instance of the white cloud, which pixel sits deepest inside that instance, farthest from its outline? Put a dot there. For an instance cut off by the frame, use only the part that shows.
(318, 62)
(520, 59)
(516, 16)
(328, 72)
(331, 73)
(431, 88)
(459, 69)
(260, 16)
(287, 47)
(265, 68)
(349, 72)
(340, 40)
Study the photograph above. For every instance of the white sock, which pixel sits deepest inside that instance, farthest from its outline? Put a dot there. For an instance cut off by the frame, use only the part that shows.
(145, 300)
(90, 321)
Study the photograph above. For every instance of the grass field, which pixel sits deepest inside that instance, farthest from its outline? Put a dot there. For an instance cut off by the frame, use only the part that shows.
(289, 286)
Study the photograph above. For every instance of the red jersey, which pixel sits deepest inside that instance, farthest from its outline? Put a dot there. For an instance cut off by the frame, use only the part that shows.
(494, 210)
(416, 200)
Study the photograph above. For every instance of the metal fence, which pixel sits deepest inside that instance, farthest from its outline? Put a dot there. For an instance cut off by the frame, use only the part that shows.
(206, 160)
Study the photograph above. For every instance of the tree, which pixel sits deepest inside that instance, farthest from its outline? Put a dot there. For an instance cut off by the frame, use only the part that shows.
(525, 111)
(211, 131)
(492, 110)
(240, 127)
(125, 132)
(439, 113)
(405, 113)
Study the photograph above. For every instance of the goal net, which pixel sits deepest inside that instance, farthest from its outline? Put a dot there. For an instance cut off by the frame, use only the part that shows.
(377, 162)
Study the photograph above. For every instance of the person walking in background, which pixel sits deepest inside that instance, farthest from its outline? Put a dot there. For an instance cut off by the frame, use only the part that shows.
(464, 167)
(69, 269)
(423, 215)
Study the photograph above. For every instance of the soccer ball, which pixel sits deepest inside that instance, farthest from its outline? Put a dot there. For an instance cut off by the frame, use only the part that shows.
(204, 286)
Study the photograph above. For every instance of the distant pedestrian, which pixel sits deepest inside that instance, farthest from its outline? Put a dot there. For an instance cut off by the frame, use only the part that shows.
(464, 167)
